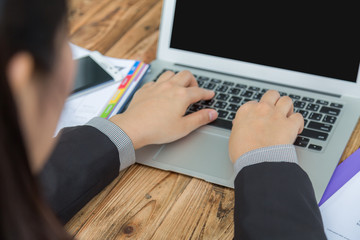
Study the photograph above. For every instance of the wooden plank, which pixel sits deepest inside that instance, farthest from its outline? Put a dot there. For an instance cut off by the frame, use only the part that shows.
(110, 23)
(136, 205)
(353, 143)
(77, 222)
(139, 41)
(81, 11)
(149, 203)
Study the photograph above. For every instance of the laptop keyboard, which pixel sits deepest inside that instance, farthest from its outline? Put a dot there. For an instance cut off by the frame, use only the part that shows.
(319, 115)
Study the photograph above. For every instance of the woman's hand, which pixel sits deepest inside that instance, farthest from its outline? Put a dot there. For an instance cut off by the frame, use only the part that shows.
(156, 113)
(271, 121)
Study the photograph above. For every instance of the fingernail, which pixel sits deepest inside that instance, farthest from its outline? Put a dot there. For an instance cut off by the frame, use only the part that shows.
(212, 115)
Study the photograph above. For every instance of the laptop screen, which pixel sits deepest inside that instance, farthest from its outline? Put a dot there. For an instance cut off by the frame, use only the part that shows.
(320, 40)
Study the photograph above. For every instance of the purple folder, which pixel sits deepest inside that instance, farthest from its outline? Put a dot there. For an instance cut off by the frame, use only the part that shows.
(343, 173)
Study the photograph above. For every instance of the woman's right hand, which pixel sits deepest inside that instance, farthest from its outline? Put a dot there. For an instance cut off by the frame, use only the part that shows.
(271, 121)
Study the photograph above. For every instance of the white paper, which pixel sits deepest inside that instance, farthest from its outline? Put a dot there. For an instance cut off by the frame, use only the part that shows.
(341, 212)
(81, 108)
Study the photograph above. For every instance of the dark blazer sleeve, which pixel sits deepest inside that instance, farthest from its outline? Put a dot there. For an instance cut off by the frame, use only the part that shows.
(276, 201)
(81, 165)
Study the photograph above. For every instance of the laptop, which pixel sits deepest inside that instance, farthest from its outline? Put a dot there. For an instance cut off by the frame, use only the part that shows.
(305, 53)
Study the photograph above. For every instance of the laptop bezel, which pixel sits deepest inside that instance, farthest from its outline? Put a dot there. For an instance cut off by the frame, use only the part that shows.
(246, 69)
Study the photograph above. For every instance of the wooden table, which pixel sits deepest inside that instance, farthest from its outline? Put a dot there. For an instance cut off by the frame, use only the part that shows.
(143, 202)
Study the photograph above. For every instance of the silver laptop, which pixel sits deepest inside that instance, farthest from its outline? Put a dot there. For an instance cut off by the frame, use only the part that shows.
(241, 53)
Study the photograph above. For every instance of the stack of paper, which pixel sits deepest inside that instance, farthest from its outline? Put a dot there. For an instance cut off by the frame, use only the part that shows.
(106, 101)
(340, 205)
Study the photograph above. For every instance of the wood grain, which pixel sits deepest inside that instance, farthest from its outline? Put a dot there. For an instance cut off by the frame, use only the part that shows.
(353, 143)
(143, 202)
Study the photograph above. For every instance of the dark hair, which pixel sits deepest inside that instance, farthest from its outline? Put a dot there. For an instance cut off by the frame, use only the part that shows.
(30, 26)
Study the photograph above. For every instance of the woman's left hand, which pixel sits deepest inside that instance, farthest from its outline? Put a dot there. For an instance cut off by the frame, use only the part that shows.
(156, 113)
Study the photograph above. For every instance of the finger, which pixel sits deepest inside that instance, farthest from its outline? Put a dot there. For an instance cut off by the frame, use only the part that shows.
(195, 94)
(298, 120)
(285, 106)
(165, 76)
(199, 118)
(148, 84)
(244, 109)
(270, 97)
(185, 79)
(247, 105)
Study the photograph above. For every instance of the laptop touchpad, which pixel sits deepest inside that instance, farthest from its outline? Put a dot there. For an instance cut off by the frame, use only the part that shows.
(202, 154)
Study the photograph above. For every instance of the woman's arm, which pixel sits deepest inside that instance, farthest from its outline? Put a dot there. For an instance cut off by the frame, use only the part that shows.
(88, 158)
(274, 198)
(85, 160)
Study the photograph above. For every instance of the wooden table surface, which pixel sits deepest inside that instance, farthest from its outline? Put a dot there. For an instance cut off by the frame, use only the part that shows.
(143, 202)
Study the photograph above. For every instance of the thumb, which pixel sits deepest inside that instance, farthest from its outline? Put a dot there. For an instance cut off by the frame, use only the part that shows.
(200, 118)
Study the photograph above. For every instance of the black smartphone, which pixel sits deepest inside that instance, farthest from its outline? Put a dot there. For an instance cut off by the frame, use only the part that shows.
(89, 74)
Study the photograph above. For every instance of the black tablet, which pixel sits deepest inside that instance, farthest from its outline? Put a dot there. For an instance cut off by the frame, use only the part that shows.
(89, 74)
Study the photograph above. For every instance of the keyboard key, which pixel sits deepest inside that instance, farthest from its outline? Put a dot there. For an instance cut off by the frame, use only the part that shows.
(303, 112)
(215, 80)
(233, 107)
(239, 85)
(312, 107)
(322, 102)
(307, 99)
(196, 107)
(210, 86)
(228, 83)
(314, 134)
(299, 104)
(231, 116)
(220, 104)
(295, 97)
(202, 78)
(301, 141)
(234, 91)
(221, 123)
(247, 100)
(337, 105)
(282, 94)
(320, 126)
(251, 88)
(315, 147)
(247, 94)
(331, 111)
(257, 96)
(200, 83)
(222, 88)
(329, 119)
(235, 99)
(222, 114)
(315, 116)
(207, 103)
(222, 96)
(264, 90)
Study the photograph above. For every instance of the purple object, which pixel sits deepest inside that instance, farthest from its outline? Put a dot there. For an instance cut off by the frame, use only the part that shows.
(343, 173)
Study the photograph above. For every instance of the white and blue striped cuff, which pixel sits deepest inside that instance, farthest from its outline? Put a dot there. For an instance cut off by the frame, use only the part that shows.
(118, 137)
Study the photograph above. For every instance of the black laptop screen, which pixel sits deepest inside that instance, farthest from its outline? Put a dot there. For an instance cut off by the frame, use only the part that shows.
(320, 40)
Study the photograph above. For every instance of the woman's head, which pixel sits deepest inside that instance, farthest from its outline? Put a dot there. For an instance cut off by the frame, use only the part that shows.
(35, 63)
(35, 77)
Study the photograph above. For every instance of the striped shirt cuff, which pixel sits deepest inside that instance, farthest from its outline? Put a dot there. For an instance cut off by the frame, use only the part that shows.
(277, 153)
(118, 137)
